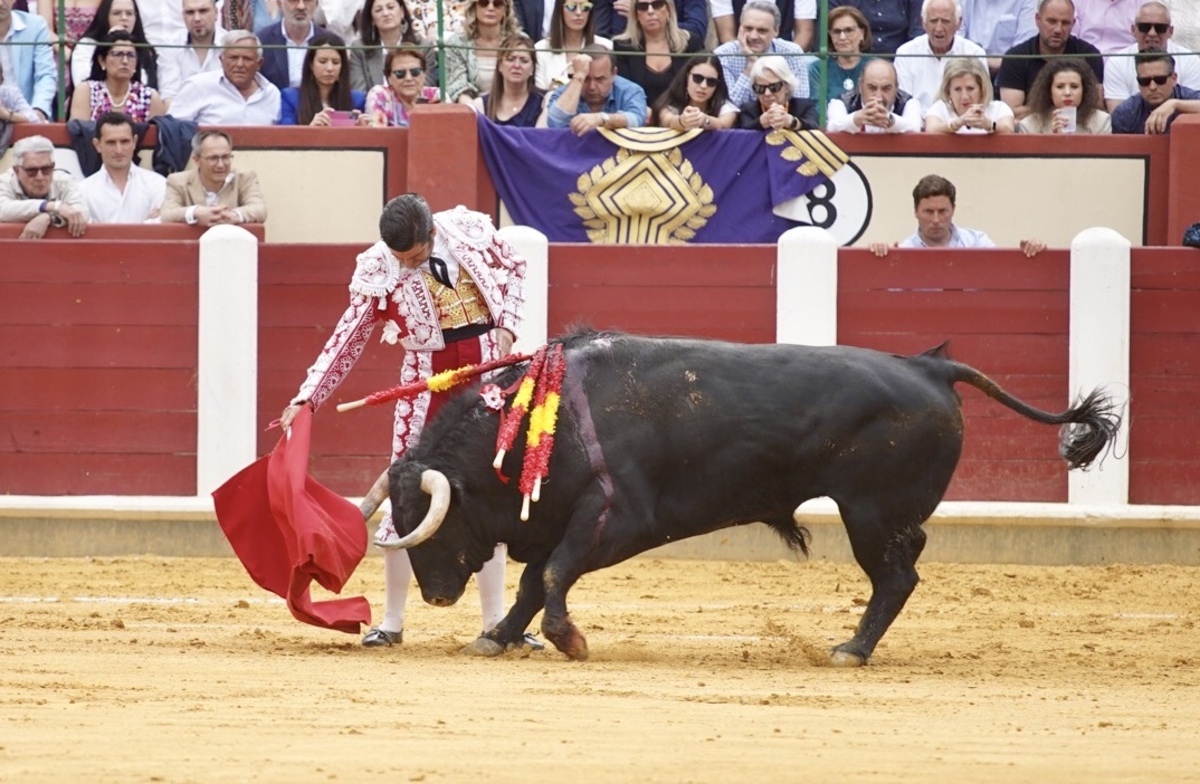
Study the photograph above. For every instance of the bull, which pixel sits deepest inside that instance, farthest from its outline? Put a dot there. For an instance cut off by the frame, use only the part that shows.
(660, 439)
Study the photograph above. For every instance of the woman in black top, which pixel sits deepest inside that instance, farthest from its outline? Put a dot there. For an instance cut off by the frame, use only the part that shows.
(774, 108)
(653, 41)
(513, 99)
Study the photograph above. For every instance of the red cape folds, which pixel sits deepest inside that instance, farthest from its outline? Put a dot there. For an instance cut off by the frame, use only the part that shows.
(288, 530)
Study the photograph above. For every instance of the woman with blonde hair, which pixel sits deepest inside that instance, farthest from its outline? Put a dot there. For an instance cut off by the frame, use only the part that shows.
(572, 27)
(471, 54)
(513, 99)
(967, 104)
(652, 43)
(1065, 98)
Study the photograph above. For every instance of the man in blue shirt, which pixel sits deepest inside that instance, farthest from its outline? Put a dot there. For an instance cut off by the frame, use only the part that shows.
(1159, 100)
(595, 97)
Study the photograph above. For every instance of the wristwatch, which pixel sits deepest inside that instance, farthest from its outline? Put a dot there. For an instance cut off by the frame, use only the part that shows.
(603, 119)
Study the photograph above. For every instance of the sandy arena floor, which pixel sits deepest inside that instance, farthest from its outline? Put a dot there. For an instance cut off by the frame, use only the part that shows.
(180, 670)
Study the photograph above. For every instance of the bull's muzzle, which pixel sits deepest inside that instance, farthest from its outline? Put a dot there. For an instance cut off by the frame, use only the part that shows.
(437, 486)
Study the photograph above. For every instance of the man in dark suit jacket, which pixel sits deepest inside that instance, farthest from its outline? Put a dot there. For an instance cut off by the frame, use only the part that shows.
(281, 66)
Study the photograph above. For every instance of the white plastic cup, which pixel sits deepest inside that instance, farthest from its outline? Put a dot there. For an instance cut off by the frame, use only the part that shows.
(1068, 113)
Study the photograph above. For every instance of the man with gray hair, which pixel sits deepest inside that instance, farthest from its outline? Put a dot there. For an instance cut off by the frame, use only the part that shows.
(237, 94)
(213, 193)
(919, 62)
(1152, 29)
(33, 192)
(758, 35)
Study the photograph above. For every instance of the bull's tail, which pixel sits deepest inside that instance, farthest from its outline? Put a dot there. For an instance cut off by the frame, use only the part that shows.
(1088, 427)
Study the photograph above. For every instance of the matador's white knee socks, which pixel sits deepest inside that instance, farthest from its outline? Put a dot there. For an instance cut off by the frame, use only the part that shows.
(491, 587)
(397, 574)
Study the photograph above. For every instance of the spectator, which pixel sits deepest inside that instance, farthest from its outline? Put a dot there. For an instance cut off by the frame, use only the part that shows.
(595, 97)
(919, 62)
(998, 25)
(28, 66)
(877, 105)
(536, 17)
(113, 84)
(758, 35)
(1064, 99)
(1152, 29)
(893, 22)
(389, 105)
(195, 53)
(698, 98)
(652, 44)
(162, 21)
(1105, 23)
(213, 193)
(115, 15)
(33, 193)
(1054, 20)
(513, 99)
(384, 25)
(572, 29)
(471, 54)
(236, 95)
(691, 15)
(802, 13)
(967, 104)
(1159, 100)
(777, 108)
(286, 42)
(121, 191)
(13, 106)
(934, 205)
(324, 87)
(849, 37)
(78, 16)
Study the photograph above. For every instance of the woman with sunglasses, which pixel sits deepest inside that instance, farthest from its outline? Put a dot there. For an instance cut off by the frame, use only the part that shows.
(849, 39)
(651, 42)
(114, 84)
(1064, 88)
(775, 108)
(513, 99)
(388, 105)
(572, 27)
(967, 104)
(698, 98)
(471, 54)
(324, 87)
(115, 15)
(383, 25)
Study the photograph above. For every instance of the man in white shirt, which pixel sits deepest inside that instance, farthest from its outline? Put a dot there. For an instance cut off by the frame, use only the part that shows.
(919, 62)
(121, 191)
(237, 94)
(195, 53)
(803, 13)
(1152, 29)
(161, 21)
(876, 105)
(934, 204)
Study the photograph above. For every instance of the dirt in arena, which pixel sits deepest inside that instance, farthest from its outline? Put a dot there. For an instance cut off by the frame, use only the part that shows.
(178, 670)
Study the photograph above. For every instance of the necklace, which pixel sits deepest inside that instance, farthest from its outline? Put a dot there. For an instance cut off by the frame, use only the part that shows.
(113, 99)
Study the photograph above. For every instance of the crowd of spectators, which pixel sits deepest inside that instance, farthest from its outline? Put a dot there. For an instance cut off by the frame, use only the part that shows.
(893, 66)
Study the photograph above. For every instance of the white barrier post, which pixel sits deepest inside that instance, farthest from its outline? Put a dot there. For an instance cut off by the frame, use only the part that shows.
(227, 376)
(534, 246)
(806, 287)
(1100, 351)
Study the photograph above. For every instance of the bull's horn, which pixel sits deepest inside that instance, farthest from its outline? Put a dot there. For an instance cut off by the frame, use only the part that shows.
(438, 486)
(375, 496)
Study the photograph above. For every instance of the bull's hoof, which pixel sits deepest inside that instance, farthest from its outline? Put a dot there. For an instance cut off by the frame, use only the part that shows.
(483, 646)
(845, 659)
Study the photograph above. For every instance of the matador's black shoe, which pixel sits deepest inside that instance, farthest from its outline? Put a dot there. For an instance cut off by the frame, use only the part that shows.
(378, 638)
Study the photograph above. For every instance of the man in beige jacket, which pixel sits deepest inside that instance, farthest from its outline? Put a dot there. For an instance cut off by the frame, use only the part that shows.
(213, 193)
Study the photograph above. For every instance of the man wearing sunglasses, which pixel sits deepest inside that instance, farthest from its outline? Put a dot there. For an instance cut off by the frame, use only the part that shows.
(595, 97)
(1152, 29)
(1159, 100)
(35, 194)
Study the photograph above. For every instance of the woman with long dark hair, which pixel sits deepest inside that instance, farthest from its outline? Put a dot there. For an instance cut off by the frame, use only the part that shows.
(114, 84)
(1061, 88)
(383, 25)
(513, 99)
(697, 98)
(115, 15)
(572, 27)
(324, 86)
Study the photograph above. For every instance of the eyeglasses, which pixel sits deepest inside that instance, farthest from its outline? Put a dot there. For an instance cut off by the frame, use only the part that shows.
(657, 5)
(490, 3)
(773, 87)
(578, 8)
(215, 159)
(35, 171)
(698, 79)
(1158, 27)
(1145, 81)
(403, 72)
(123, 55)
(842, 32)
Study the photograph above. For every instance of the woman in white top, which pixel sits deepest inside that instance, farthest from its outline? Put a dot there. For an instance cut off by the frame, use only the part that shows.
(571, 29)
(1065, 98)
(967, 104)
(697, 98)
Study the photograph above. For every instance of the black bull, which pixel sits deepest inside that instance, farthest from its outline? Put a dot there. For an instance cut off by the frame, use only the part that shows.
(662, 439)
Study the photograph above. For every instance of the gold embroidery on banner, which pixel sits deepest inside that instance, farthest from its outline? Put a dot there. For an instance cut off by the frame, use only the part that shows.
(647, 139)
(814, 151)
(652, 198)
